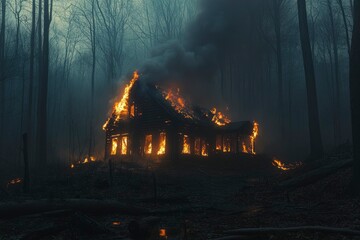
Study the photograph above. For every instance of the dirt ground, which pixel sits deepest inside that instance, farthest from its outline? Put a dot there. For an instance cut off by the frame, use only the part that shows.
(189, 203)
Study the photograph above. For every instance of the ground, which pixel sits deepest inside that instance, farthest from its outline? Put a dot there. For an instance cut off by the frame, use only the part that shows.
(191, 203)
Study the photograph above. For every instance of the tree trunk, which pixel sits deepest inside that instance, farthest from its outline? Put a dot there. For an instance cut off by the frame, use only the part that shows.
(93, 49)
(355, 96)
(43, 90)
(316, 147)
(337, 76)
(31, 71)
(277, 25)
(345, 24)
(2, 71)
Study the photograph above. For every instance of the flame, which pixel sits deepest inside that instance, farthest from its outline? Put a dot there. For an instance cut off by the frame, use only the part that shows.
(186, 145)
(124, 144)
(204, 150)
(244, 148)
(72, 165)
(227, 145)
(162, 145)
(162, 232)
(285, 167)
(114, 145)
(178, 103)
(148, 144)
(254, 135)
(116, 223)
(15, 181)
(87, 160)
(219, 118)
(122, 106)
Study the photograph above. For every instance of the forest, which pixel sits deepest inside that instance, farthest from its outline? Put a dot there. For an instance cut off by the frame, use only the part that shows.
(179, 119)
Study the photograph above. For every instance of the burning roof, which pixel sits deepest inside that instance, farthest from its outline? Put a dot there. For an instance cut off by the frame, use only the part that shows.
(170, 99)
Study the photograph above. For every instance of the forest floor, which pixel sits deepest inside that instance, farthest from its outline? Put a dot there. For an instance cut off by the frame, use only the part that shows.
(198, 203)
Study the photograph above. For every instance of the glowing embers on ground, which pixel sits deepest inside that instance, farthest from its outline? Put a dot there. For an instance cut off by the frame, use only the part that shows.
(148, 144)
(285, 166)
(162, 144)
(186, 145)
(14, 181)
(121, 108)
(219, 118)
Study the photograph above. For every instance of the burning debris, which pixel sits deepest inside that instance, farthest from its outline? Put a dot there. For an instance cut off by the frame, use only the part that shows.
(14, 181)
(219, 118)
(285, 167)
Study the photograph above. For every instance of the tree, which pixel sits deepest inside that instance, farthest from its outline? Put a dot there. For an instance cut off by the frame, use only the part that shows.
(2, 69)
(316, 147)
(43, 88)
(355, 96)
(276, 7)
(31, 69)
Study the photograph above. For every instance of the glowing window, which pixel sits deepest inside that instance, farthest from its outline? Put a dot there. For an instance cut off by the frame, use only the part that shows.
(186, 145)
(114, 145)
(132, 110)
(218, 142)
(226, 145)
(124, 145)
(197, 146)
(162, 143)
(204, 149)
(148, 144)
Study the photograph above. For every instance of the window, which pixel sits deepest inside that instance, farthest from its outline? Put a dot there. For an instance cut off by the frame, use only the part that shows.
(132, 110)
(124, 145)
(114, 145)
(186, 145)
(204, 149)
(218, 142)
(226, 144)
(197, 147)
(148, 144)
(162, 144)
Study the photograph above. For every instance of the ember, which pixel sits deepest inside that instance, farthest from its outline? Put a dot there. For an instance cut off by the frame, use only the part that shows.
(162, 232)
(285, 167)
(219, 118)
(15, 181)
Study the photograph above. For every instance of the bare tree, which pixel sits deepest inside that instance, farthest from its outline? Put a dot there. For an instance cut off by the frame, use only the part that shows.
(112, 20)
(43, 88)
(2, 69)
(17, 7)
(316, 147)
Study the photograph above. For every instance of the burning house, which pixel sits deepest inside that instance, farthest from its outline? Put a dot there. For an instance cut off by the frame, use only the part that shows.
(152, 123)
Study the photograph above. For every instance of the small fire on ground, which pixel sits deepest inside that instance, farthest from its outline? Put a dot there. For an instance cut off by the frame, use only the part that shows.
(85, 161)
(14, 181)
(285, 166)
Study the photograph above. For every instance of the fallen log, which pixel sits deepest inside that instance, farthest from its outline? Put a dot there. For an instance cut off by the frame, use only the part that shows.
(97, 207)
(314, 175)
(286, 230)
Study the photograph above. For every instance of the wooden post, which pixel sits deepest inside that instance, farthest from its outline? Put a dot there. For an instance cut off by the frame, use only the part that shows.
(26, 186)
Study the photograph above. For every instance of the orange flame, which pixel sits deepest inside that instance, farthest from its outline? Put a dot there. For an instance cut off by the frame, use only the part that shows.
(114, 145)
(204, 150)
(162, 145)
(186, 145)
(162, 232)
(285, 167)
(219, 118)
(122, 107)
(148, 144)
(254, 135)
(178, 103)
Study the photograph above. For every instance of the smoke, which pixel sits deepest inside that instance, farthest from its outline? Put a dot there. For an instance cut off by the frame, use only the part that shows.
(194, 62)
